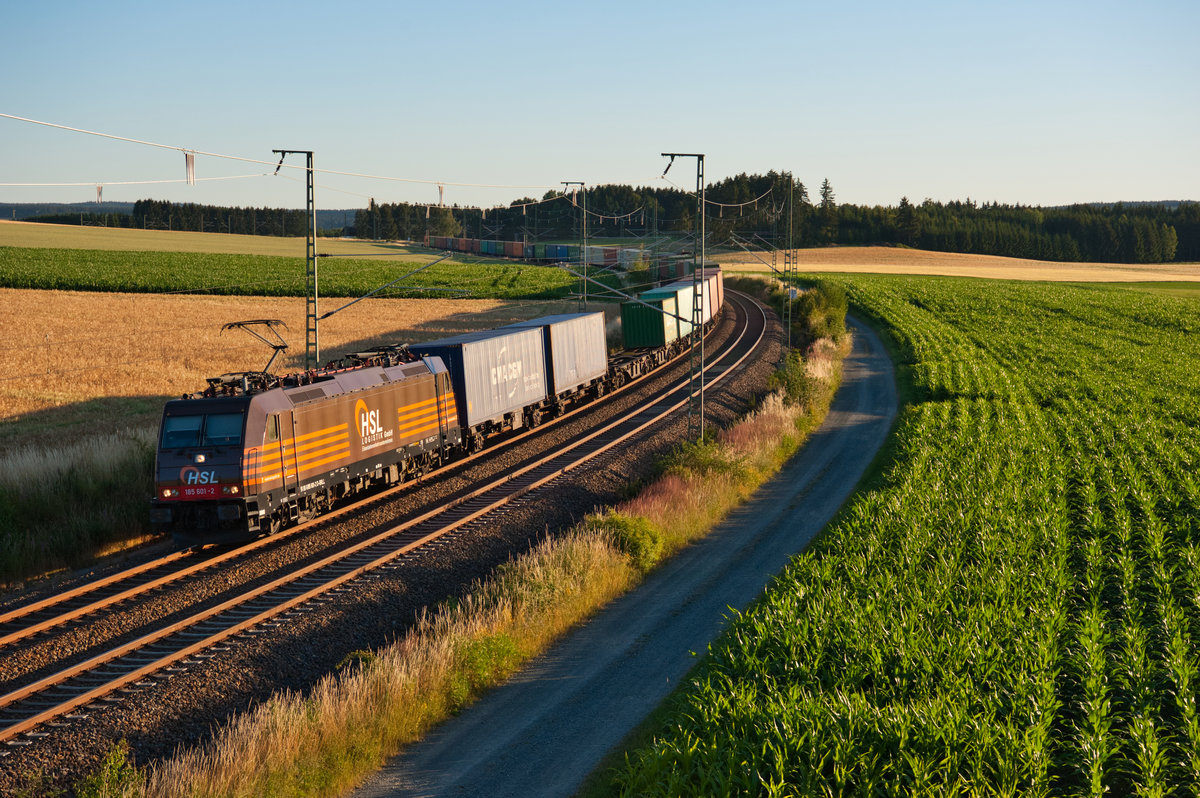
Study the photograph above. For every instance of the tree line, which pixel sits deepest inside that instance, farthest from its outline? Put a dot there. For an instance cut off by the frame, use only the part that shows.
(613, 211)
(755, 211)
(1116, 233)
(163, 215)
(151, 214)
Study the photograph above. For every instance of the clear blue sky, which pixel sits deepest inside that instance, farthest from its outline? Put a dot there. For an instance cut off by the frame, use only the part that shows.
(1024, 102)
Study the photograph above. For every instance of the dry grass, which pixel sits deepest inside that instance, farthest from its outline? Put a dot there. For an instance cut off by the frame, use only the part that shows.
(823, 359)
(29, 466)
(77, 363)
(897, 260)
(323, 743)
(66, 505)
(704, 483)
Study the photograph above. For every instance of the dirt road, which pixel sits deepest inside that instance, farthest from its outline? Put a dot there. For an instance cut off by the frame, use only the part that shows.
(543, 732)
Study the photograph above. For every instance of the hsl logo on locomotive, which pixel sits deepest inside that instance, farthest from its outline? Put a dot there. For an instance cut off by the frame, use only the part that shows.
(371, 431)
(190, 475)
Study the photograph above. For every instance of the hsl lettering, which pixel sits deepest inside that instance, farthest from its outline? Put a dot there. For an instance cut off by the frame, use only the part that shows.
(190, 475)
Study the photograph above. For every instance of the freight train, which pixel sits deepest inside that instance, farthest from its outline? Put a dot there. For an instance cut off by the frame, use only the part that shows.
(662, 267)
(253, 452)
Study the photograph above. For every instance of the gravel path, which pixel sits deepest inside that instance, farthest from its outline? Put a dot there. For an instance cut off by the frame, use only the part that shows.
(544, 732)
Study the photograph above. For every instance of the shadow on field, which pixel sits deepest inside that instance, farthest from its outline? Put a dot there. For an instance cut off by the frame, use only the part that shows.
(59, 426)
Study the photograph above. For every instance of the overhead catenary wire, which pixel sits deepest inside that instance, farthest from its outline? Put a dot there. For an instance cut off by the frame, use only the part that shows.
(345, 173)
(191, 179)
(554, 197)
(128, 182)
(715, 204)
(270, 163)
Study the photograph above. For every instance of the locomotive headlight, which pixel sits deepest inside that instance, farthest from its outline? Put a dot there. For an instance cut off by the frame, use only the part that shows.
(231, 490)
(169, 492)
(200, 458)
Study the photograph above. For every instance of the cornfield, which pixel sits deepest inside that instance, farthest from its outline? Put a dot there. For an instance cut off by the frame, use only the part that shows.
(262, 275)
(1013, 605)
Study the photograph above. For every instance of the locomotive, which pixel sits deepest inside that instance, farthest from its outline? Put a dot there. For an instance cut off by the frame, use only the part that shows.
(253, 452)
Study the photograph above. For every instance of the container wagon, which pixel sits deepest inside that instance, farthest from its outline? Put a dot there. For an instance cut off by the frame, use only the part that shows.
(576, 356)
(497, 376)
(652, 326)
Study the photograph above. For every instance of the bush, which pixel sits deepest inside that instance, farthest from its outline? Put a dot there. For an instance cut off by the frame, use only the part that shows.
(633, 536)
(359, 659)
(819, 312)
(482, 662)
(117, 775)
(798, 386)
(756, 287)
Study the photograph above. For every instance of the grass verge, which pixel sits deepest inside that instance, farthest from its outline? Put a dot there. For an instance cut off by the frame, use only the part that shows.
(62, 507)
(324, 742)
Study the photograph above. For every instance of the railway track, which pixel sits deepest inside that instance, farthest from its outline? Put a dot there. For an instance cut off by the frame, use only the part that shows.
(94, 596)
(101, 677)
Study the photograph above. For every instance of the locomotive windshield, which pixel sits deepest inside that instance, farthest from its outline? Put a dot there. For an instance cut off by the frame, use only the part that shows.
(214, 429)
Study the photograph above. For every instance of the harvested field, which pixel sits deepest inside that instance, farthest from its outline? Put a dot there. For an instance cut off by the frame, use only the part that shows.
(78, 363)
(896, 260)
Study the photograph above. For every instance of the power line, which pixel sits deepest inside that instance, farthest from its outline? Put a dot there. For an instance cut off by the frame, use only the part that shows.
(261, 161)
(128, 182)
(715, 204)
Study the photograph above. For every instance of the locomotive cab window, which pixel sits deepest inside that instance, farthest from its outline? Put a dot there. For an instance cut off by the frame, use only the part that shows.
(215, 429)
(223, 429)
(272, 428)
(181, 431)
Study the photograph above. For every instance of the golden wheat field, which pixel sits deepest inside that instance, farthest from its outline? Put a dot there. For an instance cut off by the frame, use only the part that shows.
(897, 260)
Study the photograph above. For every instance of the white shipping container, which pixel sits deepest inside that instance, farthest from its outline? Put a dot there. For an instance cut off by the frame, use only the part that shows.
(683, 303)
(494, 372)
(575, 348)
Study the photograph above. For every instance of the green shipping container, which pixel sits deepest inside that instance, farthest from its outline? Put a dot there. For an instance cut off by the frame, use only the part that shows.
(643, 326)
